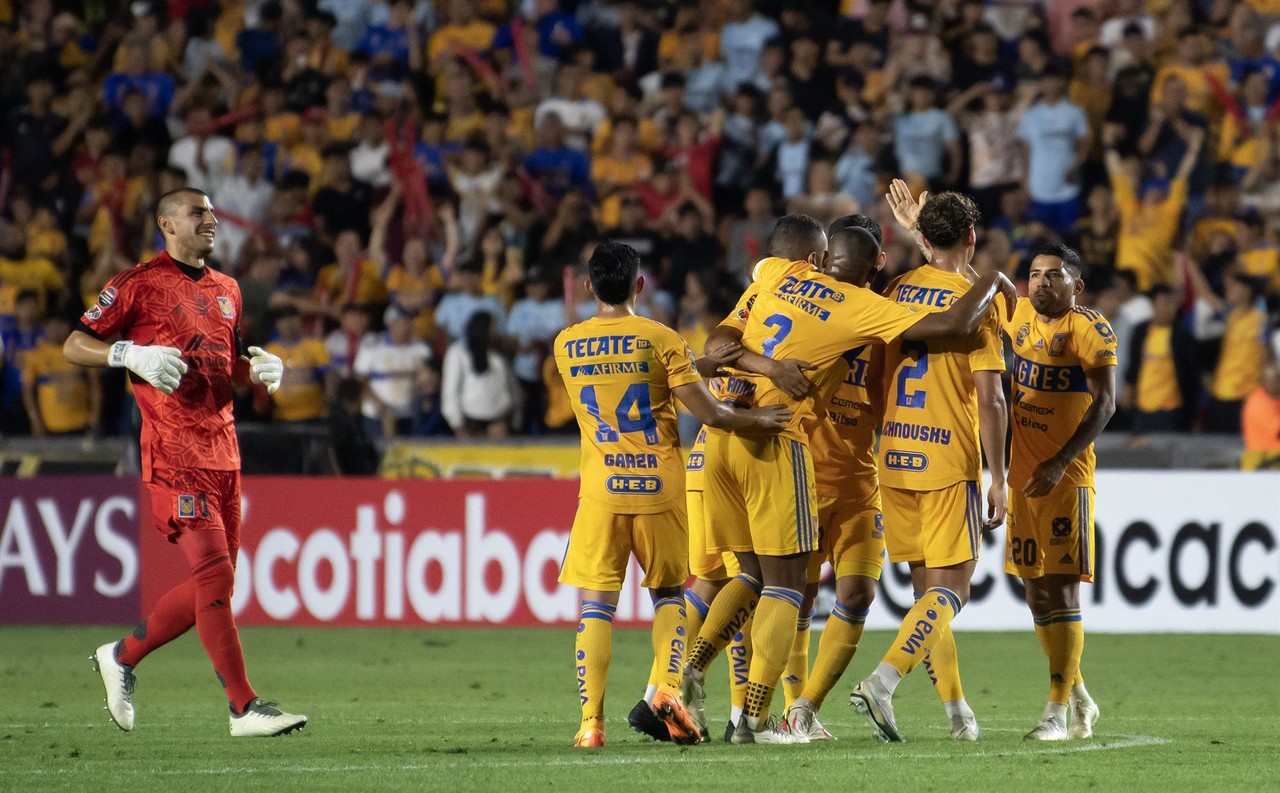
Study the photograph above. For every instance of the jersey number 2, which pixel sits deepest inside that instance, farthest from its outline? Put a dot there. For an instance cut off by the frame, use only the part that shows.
(918, 351)
(635, 397)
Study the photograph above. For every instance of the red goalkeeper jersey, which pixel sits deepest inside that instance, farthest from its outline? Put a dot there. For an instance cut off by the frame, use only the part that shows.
(197, 310)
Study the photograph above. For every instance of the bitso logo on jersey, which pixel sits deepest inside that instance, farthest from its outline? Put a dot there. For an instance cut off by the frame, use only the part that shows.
(227, 307)
(906, 461)
(186, 506)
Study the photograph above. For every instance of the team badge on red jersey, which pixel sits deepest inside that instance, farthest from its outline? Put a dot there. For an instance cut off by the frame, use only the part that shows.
(228, 309)
(186, 506)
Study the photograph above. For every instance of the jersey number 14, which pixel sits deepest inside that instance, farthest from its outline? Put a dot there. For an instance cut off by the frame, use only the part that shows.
(635, 398)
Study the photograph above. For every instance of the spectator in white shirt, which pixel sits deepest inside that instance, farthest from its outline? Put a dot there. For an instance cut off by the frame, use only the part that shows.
(579, 115)
(204, 155)
(742, 39)
(345, 342)
(532, 327)
(369, 157)
(391, 366)
(477, 395)
(241, 198)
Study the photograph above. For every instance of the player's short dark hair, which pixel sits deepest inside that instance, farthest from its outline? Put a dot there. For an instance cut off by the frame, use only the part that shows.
(1129, 277)
(168, 203)
(613, 268)
(860, 244)
(794, 237)
(27, 294)
(1070, 259)
(285, 312)
(946, 218)
(865, 222)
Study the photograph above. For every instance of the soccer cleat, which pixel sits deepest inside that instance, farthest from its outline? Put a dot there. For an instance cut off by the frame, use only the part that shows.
(678, 721)
(728, 731)
(644, 721)
(1049, 729)
(772, 731)
(263, 719)
(1084, 714)
(876, 704)
(119, 682)
(694, 696)
(590, 735)
(802, 720)
(964, 728)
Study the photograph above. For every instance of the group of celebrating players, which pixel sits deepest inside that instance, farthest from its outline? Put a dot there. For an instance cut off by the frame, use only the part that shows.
(793, 388)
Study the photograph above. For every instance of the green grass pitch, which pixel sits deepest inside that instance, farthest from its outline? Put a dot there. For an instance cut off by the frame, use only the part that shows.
(486, 710)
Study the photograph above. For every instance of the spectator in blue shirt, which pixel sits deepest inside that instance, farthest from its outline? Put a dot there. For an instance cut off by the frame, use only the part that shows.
(393, 48)
(1056, 135)
(261, 46)
(742, 39)
(532, 327)
(558, 33)
(558, 167)
(158, 88)
(466, 297)
(923, 134)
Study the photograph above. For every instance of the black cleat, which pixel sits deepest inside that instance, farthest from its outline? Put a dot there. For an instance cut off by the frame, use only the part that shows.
(644, 721)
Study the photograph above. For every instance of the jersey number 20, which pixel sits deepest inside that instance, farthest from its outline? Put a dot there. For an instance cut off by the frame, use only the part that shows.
(636, 397)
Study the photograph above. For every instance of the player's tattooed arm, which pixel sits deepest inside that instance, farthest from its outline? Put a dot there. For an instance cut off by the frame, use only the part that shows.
(993, 423)
(714, 413)
(1101, 382)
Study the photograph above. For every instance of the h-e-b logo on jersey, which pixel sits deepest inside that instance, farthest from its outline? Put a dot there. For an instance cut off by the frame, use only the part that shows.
(186, 506)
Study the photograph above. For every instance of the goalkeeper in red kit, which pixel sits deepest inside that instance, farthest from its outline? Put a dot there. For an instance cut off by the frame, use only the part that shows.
(178, 325)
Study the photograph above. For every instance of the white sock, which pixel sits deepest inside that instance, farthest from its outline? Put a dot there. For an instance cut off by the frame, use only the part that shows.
(649, 691)
(1080, 694)
(1055, 710)
(887, 677)
(735, 715)
(958, 707)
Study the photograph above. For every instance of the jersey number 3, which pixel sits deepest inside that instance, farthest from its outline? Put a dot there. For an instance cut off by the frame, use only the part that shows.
(918, 351)
(636, 398)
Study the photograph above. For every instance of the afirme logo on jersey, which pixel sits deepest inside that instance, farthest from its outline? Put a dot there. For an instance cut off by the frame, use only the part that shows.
(622, 485)
(906, 461)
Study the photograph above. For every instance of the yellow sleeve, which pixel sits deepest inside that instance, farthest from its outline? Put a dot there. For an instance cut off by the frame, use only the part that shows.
(988, 353)
(1126, 198)
(50, 278)
(742, 311)
(321, 352)
(677, 359)
(866, 316)
(31, 368)
(1095, 341)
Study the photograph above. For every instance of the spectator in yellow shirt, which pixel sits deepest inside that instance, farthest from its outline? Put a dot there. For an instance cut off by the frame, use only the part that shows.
(1243, 347)
(620, 168)
(1191, 65)
(1258, 256)
(353, 278)
(463, 29)
(300, 396)
(60, 397)
(1149, 220)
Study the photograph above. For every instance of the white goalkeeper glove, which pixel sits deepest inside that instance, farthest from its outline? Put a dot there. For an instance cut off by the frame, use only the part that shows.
(162, 367)
(265, 368)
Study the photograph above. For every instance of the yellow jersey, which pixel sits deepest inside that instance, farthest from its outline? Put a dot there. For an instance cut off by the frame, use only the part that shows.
(1157, 378)
(842, 439)
(1050, 395)
(1244, 349)
(300, 396)
(620, 374)
(929, 436)
(1145, 242)
(813, 317)
(62, 388)
(1264, 263)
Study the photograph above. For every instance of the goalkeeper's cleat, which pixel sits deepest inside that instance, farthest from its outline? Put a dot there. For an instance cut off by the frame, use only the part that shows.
(644, 721)
(119, 681)
(964, 728)
(262, 719)
(694, 696)
(1084, 714)
(876, 704)
(590, 735)
(772, 731)
(1050, 728)
(802, 720)
(679, 722)
(728, 731)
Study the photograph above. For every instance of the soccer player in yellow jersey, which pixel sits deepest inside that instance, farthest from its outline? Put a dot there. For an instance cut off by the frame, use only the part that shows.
(622, 372)
(1064, 392)
(761, 490)
(931, 467)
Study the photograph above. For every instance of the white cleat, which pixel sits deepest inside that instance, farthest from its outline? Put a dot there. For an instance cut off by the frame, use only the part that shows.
(694, 696)
(772, 731)
(964, 728)
(1084, 714)
(802, 720)
(876, 704)
(264, 720)
(1049, 729)
(119, 681)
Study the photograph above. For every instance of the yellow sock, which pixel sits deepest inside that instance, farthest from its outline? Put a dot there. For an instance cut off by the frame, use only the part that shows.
(942, 662)
(1042, 635)
(695, 611)
(668, 642)
(922, 629)
(772, 636)
(1063, 641)
(593, 650)
(739, 665)
(796, 673)
(835, 650)
(728, 613)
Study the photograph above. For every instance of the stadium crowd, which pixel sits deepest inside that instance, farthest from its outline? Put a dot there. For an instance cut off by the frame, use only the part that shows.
(408, 191)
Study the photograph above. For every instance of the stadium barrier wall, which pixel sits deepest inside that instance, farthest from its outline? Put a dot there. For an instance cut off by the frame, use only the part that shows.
(1176, 552)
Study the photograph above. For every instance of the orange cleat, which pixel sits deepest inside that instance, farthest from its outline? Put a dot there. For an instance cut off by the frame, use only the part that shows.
(590, 735)
(679, 723)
